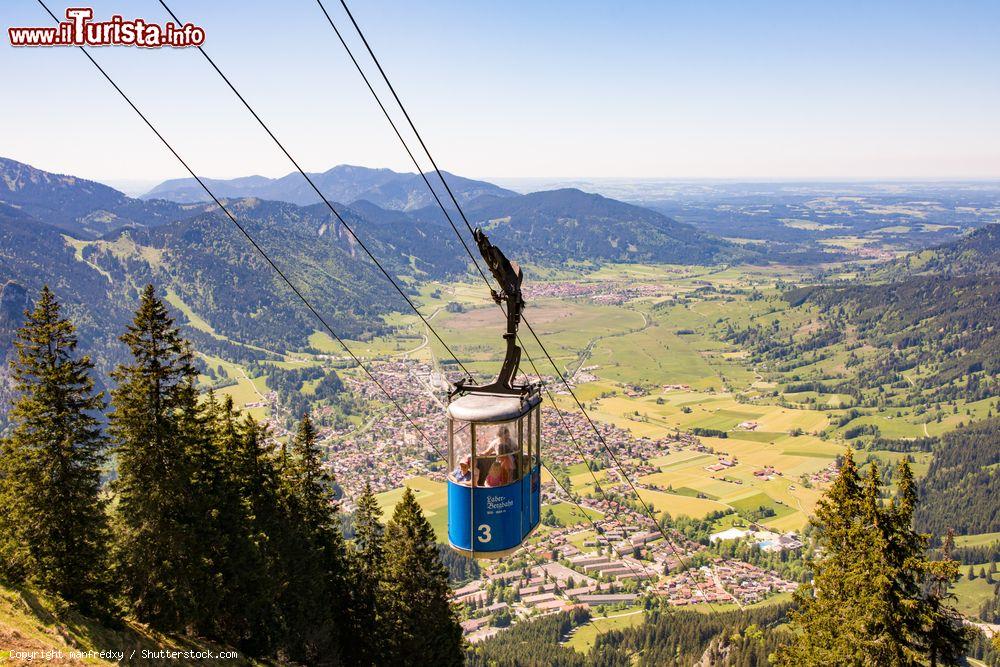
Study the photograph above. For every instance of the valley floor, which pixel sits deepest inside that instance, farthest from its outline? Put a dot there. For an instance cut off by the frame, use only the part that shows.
(703, 432)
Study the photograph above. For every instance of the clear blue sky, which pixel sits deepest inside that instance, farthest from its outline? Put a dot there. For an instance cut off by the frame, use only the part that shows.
(694, 89)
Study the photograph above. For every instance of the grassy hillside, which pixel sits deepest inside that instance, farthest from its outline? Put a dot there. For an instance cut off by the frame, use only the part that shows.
(31, 622)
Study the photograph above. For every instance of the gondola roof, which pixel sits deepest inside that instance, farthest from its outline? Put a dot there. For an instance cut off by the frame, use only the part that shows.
(491, 408)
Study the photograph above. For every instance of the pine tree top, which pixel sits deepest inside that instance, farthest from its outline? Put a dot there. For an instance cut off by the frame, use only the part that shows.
(154, 339)
(409, 531)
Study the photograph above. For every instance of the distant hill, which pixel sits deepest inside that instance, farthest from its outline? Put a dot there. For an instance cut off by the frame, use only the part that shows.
(937, 310)
(945, 325)
(83, 208)
(978, 252)
(566, 224)
(345, 183)
(212, 269)
(921, 329)
(32, 254)
(961, 487)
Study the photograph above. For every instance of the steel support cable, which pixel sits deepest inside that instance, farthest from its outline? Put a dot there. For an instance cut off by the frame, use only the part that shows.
(326, 201)
(248, 236)
(399, 135)
(469, 227)
(441, 205)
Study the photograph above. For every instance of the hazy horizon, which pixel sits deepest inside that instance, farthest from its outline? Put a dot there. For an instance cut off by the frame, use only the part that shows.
(524, 184)
(138, 186)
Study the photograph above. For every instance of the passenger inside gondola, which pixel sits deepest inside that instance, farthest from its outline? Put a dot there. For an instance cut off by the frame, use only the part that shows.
(507, 466)
(497, 476)
(462, 474)
(501, 444)
(504, 448)
(463, 471)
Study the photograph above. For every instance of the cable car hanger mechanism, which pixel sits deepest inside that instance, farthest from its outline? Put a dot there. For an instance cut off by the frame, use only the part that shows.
(508, 275)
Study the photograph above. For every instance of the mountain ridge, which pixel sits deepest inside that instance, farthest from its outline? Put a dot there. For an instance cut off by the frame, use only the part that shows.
(202, 260)
(571, 223)
(976, 252)
(388, 189)
(547, 226)
(78, 206)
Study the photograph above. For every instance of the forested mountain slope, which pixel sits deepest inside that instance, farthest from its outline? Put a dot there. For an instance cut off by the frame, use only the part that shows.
(945, 327)
(979, 252)
(213, 268)
(926, 335)
(962, 486)
(33, 254)
(80, 207)
(557, 225)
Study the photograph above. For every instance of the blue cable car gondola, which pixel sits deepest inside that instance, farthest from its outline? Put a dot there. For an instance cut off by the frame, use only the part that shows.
(494, 441)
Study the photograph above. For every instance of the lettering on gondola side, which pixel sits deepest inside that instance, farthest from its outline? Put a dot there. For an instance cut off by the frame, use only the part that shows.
(498, 504)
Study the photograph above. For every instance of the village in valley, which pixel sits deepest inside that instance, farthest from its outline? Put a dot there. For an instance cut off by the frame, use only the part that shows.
(605, 554)
(721, 467)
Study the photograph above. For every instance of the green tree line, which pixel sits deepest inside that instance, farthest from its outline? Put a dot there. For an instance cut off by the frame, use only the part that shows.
(180, 512)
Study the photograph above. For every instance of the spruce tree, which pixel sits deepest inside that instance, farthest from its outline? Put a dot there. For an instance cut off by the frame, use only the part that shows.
(822, 618)
(367, 570)
(156, 553)
(312, 485)
(217, 520)
(238, 514)
(256, 475)
(315, 602)
(875, 597)
(421, 625)
(53, 527)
